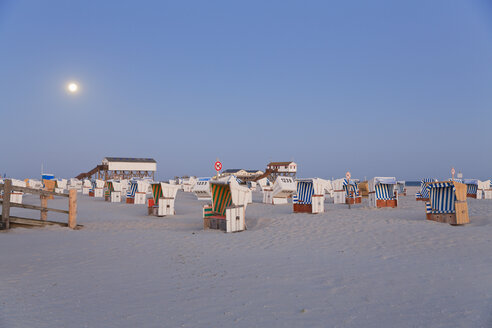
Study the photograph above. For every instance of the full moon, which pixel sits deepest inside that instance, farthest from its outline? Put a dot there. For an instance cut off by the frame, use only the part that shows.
(72, 87)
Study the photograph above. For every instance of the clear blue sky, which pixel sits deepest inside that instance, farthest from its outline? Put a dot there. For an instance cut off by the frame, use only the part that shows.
(380, 88)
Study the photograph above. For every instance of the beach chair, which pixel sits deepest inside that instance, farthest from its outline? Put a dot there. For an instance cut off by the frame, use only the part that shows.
(86, 187)
(352, 193)
(16, 196)
(33, 183)
(283, 188)
(61, 185)
(364, 189)
(400, 187)
(471, 187)
(76, 184)
(97, 188)
(382, 192)
(201, 189)
(447, 202)
(137, 192)
(482, 187)
(345, 193)
(49, 185)
(164, 196)
(328, 188)
(228, 208)
(422, 194)
(131, 191)
(188, 184)
(113, 191)
(310, 196)
(487, 191)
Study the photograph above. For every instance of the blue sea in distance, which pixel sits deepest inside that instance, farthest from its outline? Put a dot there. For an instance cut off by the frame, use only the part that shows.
(412, 183)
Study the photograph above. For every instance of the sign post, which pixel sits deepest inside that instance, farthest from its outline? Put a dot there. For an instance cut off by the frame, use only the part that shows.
(348, 176)
(217, 166)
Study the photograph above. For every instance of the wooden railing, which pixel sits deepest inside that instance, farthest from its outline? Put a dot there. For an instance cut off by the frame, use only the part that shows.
(6, 219)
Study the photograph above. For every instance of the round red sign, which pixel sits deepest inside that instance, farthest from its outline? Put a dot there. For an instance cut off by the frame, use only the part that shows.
(218, 166)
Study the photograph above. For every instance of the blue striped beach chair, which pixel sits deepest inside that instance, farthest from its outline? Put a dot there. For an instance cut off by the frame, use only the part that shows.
(131, 191)
(447, 202)
(309, 197)
(471, 187)
(382, 192)
(423, 194)
(352, 193)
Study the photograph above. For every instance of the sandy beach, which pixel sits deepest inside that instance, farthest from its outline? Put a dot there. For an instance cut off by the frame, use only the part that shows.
(361, 267)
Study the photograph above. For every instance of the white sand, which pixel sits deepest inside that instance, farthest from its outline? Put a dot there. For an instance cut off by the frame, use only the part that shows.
(345, 268)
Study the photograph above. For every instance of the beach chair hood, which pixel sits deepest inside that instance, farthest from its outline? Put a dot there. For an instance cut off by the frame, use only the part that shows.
(226, 192)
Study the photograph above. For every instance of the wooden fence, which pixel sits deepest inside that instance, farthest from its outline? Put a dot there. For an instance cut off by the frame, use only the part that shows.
(7, 219)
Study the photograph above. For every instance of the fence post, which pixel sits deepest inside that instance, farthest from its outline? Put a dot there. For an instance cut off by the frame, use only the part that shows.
(72, 208)
(7, 184)
(44, 203)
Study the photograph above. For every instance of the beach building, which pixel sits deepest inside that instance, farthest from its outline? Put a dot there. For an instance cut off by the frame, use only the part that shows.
(116, 168)
(242, 174)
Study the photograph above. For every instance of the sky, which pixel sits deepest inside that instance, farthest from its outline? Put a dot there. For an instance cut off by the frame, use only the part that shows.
(378, 88)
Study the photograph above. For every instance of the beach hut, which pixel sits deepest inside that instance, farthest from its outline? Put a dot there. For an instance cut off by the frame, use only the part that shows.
(164, 195)
(202, 189)
(471, 187)
(228, 208)
(86, 187)
(283, 188)
(447, 202)
(423, 193)
(310, 196)
(382, 192)
(345, 193)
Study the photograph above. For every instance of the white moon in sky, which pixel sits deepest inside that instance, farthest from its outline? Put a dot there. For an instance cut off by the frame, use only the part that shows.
(72, 87)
